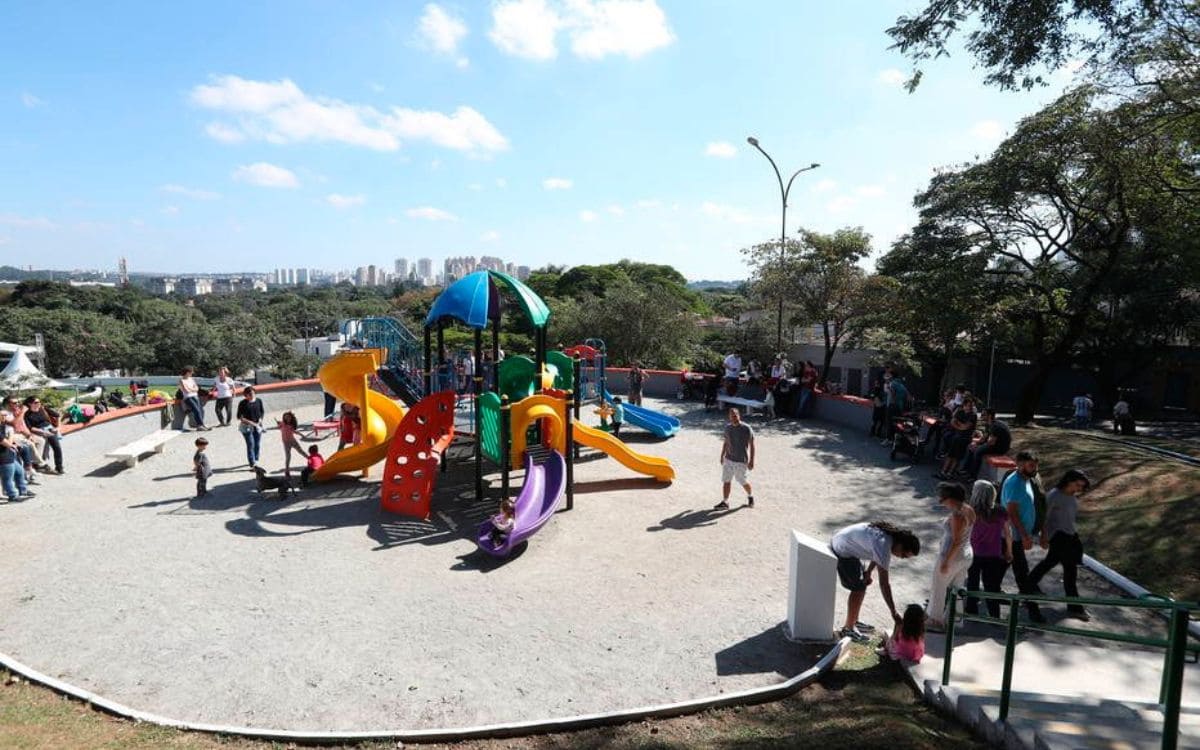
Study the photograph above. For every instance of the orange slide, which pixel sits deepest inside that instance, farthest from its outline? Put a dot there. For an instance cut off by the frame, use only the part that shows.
(347, 378)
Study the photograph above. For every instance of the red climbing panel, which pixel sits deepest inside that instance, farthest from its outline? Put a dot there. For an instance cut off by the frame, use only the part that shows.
(412, 460)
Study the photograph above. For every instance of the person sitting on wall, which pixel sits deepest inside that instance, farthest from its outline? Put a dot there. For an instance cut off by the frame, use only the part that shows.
(733, 372)
(997, 441)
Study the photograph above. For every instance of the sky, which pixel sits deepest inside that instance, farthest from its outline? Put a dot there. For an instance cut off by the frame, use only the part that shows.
(231, 136)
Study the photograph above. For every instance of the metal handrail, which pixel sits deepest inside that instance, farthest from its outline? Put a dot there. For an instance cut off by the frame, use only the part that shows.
(1176, 642)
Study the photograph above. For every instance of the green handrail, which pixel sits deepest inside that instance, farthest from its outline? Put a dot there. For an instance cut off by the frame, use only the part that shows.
(1176, 642)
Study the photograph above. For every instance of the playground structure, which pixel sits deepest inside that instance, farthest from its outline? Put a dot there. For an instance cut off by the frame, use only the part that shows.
(525, 411)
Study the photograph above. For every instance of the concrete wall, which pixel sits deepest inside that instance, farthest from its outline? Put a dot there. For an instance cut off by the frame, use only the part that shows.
(848, 411)
(658, 383)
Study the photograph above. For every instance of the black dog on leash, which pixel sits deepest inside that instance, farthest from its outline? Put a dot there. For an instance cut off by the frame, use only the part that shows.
(265, 483)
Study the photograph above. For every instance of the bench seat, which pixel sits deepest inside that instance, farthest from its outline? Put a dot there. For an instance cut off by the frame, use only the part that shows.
(152, 443)
(748, 404)
(995, 467)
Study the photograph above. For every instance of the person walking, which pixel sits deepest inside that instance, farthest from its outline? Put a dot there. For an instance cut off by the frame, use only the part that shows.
(954, 552)
(1061, 539)
(201, 467)
(191, 397)
(1083, 410)
(1016, 495)
(637, 376)
(991, 547)
(876, 542)
(737, 459)
(250, 412)
(223, 392)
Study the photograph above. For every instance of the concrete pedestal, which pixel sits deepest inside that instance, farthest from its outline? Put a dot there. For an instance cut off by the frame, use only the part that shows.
(812, 589)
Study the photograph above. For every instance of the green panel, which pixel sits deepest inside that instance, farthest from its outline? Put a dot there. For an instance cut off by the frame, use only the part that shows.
(489, 426)
(533, 305)
(564, 379)
(516, 377)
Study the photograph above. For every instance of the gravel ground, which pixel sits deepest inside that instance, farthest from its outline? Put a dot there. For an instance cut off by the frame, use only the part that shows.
(322, 613)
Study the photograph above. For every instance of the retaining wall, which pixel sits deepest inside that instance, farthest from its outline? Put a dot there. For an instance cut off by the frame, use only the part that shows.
(848, 411)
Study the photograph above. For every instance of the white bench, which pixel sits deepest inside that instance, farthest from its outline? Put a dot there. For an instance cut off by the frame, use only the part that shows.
(152, 443)
(747, 404)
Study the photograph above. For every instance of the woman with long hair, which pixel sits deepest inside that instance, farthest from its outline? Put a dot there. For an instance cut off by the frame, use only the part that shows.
(877, 542)
(991, 545)
(954, 553)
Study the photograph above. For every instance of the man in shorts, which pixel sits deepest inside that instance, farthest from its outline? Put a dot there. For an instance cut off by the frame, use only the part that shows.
(877, 543)
(737, 459)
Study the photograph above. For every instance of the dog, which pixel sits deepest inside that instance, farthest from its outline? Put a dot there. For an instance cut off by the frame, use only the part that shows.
(265, 483)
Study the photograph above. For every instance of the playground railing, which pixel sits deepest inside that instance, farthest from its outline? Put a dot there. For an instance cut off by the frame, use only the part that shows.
(1175, 643)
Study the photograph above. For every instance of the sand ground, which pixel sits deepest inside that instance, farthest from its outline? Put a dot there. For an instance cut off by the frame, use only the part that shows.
(323, 613)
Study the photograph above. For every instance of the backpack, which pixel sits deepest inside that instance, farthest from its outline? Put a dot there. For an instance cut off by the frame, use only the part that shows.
(1039, 500)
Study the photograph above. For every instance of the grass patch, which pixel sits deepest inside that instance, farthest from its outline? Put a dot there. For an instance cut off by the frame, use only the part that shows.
(850, 708)
(1142, 515)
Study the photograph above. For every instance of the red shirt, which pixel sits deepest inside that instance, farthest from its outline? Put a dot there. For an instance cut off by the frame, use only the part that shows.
(346, 427)
(315, 461)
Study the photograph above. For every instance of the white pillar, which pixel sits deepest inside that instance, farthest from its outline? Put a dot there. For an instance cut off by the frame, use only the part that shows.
(812, 589)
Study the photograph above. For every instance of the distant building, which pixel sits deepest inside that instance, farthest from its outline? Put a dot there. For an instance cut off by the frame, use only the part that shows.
(194, 286)
(425, 271)
(522, 272)
(372, 275)
(402, 268)
(360, 276)
(322, 347)
(163, 286)
(303, 276)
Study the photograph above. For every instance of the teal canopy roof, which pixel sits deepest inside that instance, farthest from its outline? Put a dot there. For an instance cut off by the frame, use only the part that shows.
(475, 300)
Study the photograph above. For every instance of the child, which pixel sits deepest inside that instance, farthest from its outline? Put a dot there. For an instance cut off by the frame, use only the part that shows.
(288, 426)
(909, 643)
(347, 426)
(314, 462)
(201, 467)
(618, 416)
(502, 523)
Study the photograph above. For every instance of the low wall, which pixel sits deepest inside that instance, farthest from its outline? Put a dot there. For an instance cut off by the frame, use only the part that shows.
(117, 427)
(658, 383)
(849, 411)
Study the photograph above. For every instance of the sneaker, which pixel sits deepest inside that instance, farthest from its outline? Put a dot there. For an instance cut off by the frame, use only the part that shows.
(1037, 617)
(1079, 614)
(864, 627)
(721, 506)
(28, 495)
(31, 478)
(853, 635)
(750, 501)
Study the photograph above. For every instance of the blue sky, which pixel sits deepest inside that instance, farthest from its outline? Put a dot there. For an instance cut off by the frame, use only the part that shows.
(232, 136)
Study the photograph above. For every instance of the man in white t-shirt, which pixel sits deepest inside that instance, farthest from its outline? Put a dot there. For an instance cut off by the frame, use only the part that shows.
(876, 543)
(733, 372)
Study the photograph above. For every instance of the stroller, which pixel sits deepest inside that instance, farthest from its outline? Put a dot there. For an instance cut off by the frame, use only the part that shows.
(907, 438)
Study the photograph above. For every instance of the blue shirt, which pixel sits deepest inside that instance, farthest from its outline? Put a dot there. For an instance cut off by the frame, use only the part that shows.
(619, 413)
(1017, 489)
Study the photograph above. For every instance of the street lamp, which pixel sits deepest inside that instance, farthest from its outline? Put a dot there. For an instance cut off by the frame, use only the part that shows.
(783, 194)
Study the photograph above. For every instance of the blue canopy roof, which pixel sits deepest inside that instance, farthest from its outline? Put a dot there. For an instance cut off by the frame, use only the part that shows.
(475, 300)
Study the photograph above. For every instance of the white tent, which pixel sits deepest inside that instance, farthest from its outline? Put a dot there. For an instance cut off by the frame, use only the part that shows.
(22, 374)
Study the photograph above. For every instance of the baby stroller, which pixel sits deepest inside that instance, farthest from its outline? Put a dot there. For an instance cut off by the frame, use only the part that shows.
(907, 438)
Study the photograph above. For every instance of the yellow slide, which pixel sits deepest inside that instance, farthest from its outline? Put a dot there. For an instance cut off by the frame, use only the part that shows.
(347, 377)
(659, 468)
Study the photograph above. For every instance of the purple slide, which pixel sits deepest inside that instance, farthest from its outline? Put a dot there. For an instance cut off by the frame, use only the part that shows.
(534, 506)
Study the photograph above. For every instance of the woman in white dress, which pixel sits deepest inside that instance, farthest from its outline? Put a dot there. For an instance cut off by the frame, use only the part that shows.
(954, 554)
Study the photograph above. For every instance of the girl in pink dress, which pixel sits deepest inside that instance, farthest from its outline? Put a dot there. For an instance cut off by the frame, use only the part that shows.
(908, 643)
(288, 426)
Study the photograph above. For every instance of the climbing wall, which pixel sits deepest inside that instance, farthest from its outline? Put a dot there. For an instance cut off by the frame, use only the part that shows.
(412, 460)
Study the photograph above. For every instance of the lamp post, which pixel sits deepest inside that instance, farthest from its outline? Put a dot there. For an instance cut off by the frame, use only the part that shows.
(783, 195)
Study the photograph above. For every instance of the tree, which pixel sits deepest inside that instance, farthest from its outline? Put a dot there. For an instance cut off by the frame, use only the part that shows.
(820, 278)
(1072, 213)
(1016, 41)
(77, 342)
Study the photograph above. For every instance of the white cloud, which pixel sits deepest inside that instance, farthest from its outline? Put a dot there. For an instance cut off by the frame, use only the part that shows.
(429, 213)
(721, 150)
(525, 28)
(588, 216)
(462, 63)
(501, 183)
(824, 186)
(489, 236)
(597, 28)
(647, 203)
(26, 222)
(170, 210)
(377, 87)
(557, 183)
(266, 175)
(440, 30)
(280, 112)
(615, 210)
(841, 204)
(475, 187)
(871, 191)
(31, 101)
(193, 193)
(989, 131)
(340, 201)
(891, 77)
(618, 27)
(724, 212)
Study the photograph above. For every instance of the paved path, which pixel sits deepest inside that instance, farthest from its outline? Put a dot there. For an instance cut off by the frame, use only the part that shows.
(322, 613)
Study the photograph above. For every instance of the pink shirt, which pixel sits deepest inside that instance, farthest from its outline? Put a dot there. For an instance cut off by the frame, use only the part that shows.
(902, 649)
(287, 432)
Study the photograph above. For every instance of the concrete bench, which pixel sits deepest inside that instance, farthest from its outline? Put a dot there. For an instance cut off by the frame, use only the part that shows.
(152, 443)
(995, 467)
(747, 404)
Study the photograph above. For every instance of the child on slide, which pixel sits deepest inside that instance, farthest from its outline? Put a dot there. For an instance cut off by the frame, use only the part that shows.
(502, 523)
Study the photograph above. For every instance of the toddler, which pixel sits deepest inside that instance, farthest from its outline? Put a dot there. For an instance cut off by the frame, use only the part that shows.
(347, 427)
(201, 467)
(618, 416)
(502, 523)
(314, 462)
(909, 643)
